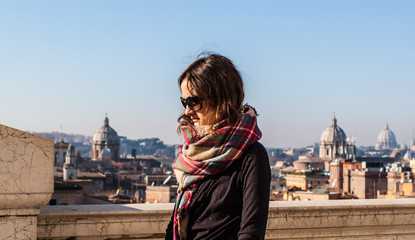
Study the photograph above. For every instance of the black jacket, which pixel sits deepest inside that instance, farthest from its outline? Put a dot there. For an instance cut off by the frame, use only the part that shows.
(232, 204)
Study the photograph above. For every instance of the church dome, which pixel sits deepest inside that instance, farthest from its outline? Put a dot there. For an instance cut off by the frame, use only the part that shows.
(106, 150)
(106, 134)
(333, 133)
(386, 139)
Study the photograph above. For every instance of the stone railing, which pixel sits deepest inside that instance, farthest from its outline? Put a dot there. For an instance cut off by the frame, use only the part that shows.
(325, 219)
(342, 219)
(128, 221)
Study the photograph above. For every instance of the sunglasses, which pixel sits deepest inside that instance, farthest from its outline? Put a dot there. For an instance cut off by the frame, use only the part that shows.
(193, 102)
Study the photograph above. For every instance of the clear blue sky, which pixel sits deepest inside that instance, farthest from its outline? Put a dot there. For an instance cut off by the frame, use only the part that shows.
(67, 63)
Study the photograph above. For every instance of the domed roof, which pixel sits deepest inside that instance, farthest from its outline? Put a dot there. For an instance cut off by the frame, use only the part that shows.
(333, 133)
(106, 134)
(106, 150)
(386, 139)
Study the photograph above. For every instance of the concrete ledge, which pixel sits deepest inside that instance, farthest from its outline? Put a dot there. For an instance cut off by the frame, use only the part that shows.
(334, 219)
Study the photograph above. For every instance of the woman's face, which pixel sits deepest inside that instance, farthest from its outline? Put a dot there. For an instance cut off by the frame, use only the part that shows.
(199, 117)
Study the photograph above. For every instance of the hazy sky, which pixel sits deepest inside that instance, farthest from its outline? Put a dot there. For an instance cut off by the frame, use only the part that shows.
(67, 63)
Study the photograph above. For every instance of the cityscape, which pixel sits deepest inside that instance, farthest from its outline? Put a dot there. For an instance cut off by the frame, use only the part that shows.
(109, 168)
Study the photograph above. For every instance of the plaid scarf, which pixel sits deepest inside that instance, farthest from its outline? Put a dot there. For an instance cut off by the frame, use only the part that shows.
(202, 156)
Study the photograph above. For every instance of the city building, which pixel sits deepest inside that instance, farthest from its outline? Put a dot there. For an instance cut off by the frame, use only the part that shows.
(105, 141)
(161, 194)
(69, 168)
(369, 177)
(334, 144)
(305, 163)
(365, 180)
(277, 178)
(61, 148)
(306, 180)
(400, 178)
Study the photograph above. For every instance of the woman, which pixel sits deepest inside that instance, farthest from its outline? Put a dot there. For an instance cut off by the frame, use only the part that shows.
(222, 170)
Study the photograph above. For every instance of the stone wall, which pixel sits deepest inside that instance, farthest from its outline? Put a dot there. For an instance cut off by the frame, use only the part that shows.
(331, 219)
(26, 181)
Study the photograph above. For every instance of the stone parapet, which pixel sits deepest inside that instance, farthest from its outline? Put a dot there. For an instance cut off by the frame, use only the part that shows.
(105, 221)
(26, 181)
(342, 219)
(326, 219)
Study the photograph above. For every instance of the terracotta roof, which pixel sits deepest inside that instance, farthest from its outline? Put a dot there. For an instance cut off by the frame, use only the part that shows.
(61, 144)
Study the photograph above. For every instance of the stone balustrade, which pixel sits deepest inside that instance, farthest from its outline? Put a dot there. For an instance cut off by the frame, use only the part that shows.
(325, 219)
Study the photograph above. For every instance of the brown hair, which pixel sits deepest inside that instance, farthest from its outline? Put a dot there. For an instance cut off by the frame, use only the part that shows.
(215, 78)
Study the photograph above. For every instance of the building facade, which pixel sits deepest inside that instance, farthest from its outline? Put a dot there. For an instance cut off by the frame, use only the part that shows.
(69, 168)
(306, 180)
(61, 148)
(105, 141)
(334, 144)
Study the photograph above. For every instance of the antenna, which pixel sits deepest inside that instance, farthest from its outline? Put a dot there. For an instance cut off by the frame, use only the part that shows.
(61, 132)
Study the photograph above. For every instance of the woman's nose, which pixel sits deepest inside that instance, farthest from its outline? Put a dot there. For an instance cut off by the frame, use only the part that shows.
(188, 111)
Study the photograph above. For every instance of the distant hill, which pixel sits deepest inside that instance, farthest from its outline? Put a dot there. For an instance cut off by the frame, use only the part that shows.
(70, 138)
(146, 146)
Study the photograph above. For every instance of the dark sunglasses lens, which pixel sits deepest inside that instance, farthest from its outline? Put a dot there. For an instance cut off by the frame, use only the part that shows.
(194, 102)
(183, 102)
